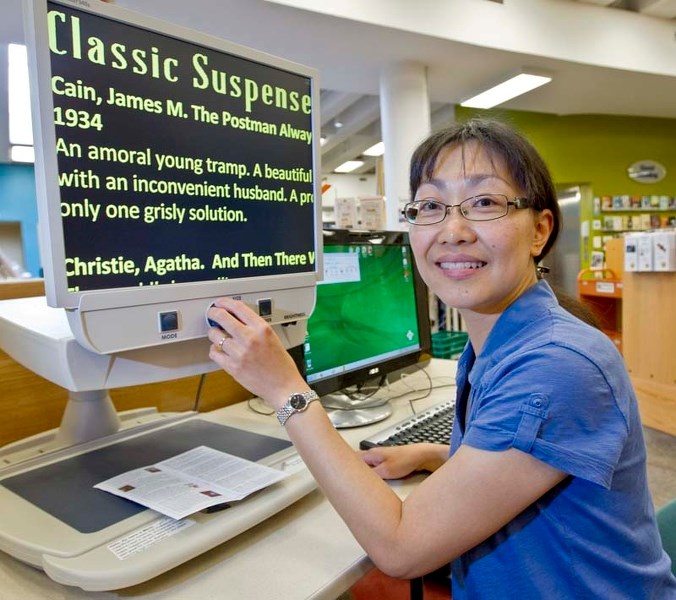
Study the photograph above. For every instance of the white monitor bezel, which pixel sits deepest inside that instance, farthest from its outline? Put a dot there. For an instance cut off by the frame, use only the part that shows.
(80, 303)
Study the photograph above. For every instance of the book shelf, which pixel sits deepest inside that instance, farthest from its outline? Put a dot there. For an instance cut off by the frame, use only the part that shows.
(617, 215)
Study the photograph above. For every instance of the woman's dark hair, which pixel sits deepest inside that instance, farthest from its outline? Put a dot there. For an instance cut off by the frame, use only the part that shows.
(526, 167)
(576, 307)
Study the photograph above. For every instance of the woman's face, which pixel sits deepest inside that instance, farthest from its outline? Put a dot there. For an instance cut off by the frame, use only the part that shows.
(480, 266)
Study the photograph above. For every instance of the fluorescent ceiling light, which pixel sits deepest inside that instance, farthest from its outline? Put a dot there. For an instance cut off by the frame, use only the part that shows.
(20, 127)
(348, 166)
(375, 150)
(506, 91)
(23, 154)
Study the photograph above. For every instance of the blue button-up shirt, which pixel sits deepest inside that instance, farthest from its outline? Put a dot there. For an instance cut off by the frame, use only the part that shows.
(552, 386)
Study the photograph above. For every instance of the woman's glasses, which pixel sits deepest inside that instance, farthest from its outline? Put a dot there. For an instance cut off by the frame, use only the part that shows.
(484, 207)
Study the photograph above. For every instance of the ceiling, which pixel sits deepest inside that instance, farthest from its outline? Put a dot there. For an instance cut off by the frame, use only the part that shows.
(351, 54)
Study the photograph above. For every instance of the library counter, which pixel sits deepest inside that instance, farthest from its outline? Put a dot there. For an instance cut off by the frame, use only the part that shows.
(304, 551)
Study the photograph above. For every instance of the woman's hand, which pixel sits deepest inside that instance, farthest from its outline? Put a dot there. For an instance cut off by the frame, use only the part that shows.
(395, 462)
(249, 350)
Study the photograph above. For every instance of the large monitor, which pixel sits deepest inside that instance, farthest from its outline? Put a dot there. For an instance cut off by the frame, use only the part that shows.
(173, 168)
(371, 321)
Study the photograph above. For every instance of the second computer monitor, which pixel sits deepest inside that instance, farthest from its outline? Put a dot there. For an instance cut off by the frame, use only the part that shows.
(370, 321)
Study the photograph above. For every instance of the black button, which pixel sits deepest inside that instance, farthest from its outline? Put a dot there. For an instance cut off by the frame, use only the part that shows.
(265, 307)
(168, 321)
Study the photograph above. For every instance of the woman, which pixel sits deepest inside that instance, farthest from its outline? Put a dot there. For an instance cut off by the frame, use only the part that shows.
(544, 494)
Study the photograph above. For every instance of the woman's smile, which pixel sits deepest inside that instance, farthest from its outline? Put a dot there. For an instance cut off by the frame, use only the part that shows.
(461, 266)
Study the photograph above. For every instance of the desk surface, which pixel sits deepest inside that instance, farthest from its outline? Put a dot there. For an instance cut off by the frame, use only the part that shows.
(305, 551)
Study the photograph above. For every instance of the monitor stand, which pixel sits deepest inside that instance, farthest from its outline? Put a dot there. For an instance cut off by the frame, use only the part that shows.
(355, 409)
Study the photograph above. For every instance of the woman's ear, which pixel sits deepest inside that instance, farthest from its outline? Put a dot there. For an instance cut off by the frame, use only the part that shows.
(543, 226)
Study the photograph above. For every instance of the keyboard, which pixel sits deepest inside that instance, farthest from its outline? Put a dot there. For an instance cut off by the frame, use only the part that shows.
(432, 425)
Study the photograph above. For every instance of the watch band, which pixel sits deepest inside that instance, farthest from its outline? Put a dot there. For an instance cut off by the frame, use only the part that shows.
(296, 403)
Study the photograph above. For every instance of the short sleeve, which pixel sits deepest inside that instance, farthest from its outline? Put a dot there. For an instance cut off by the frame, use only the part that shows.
(554, 404)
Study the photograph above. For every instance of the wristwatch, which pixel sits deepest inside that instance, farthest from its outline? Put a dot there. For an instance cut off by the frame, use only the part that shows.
(296, 403)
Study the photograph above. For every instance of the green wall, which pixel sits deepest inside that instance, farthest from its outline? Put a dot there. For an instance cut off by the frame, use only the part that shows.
(597, 149)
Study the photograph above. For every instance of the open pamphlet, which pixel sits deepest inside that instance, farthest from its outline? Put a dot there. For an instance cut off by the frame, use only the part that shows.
(192, 481)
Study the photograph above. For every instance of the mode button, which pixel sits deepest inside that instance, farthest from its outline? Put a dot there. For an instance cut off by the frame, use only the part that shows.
(265, 307)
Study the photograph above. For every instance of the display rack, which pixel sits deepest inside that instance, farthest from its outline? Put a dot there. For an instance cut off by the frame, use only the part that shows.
(601, 291)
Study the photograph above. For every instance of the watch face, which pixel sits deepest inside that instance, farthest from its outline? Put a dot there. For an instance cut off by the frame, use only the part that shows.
(297, 401)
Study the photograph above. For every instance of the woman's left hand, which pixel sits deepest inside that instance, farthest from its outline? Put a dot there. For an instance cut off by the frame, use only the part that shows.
(395, 462)
(248, 349)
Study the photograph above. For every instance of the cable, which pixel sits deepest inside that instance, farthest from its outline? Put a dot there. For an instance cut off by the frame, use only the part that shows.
(352, 395)
(258, 411)
(198, 394)
(411, 390)
(198, 398)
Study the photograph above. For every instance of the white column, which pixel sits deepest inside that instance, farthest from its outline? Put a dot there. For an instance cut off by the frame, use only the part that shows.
(4, 109)
(405, 122)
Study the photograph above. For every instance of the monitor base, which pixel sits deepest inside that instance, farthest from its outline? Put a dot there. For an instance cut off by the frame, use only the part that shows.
(355, 410)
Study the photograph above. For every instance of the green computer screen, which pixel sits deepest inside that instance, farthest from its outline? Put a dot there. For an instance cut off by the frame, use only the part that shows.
(365, 311)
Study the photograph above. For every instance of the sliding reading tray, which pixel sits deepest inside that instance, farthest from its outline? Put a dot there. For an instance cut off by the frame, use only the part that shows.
(54, 519)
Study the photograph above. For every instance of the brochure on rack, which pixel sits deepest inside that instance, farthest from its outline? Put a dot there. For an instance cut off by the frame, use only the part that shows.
(192, 481)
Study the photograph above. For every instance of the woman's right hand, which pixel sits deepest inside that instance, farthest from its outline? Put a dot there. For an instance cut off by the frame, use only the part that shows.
(395, 462)
(246, 347)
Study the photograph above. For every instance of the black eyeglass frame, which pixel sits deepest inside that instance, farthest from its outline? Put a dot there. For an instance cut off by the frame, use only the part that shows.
(517, 202)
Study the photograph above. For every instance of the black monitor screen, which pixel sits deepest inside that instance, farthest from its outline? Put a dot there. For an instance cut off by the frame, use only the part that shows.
(176, 161)
(371, 312)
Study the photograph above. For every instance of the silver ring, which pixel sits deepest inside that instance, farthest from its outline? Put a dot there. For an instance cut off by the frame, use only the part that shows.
(220, 344)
